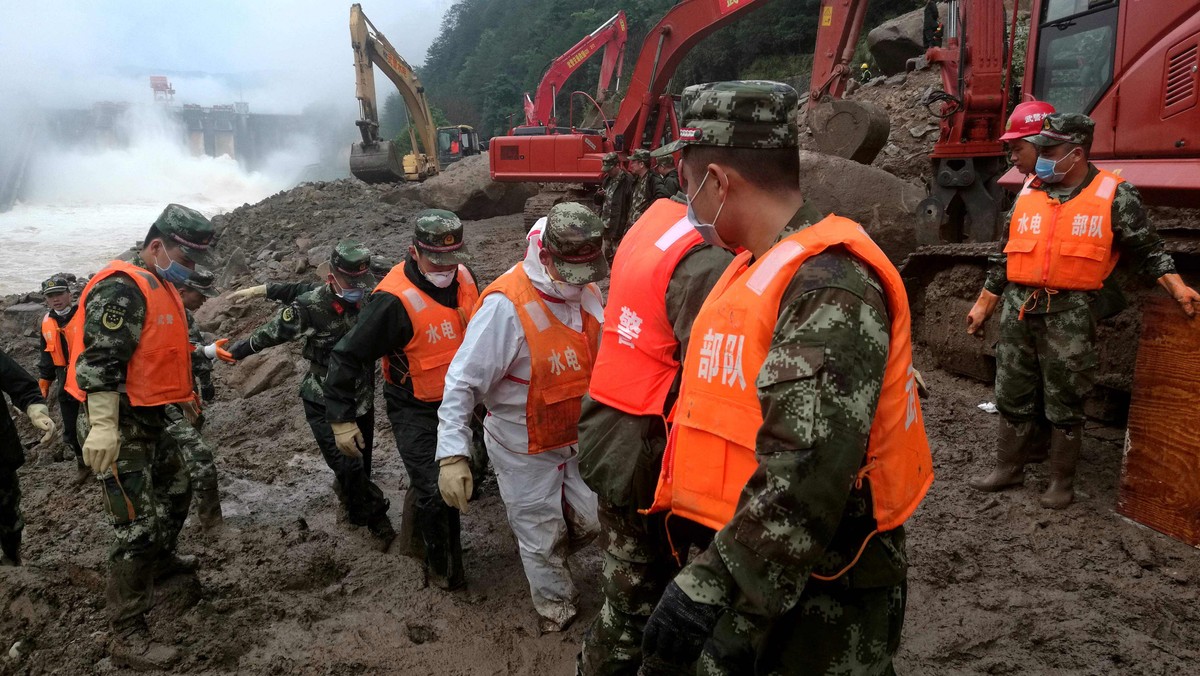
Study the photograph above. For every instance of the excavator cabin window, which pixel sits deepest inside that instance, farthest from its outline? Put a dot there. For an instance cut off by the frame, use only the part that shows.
(1076, 45)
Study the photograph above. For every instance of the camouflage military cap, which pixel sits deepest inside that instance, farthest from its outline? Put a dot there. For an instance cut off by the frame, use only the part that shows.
(573, 237)
(1060, 128)
(737, 114)
(609, 161)
(640, 155)
(439, 237)
(202, 281)
(188, 229)
(55, 285)
(352, 260)
(666, 161)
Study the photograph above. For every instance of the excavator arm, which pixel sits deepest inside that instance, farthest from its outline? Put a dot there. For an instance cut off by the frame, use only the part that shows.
(610, 37)
(374, 160)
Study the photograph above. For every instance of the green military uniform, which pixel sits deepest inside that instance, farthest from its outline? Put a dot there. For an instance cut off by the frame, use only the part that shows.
(23, 391)
(644, 189)
(800, 513)
(322, 317)
(668, 183)
(614, 207)
(148, 493)
(1046, 357)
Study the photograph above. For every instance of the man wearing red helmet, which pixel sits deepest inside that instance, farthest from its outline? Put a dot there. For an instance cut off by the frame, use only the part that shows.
(1025, 121)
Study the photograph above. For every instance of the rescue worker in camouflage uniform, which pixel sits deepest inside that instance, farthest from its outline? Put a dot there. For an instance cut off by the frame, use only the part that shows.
(645, 186)
(52, 363)
(797, 434)
(22, 391)
(415, 322)
(1047, 347)
(614, 201)
(527, 355)
(668, 177)
(322, 317)
(658, 283)
(130, 361)
(187, 418)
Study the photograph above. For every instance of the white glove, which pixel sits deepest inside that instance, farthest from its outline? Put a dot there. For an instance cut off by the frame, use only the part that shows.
(455, 482)
(39, 415)
(259, 291)
(103, 443)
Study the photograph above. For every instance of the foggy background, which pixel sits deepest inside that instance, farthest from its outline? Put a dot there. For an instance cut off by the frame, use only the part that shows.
(79, 206)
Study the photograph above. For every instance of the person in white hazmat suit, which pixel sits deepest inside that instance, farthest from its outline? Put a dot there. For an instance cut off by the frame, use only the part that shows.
(527, 356)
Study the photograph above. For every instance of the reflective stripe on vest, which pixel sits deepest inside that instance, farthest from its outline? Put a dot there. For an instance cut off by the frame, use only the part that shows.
(160, 370)
(56, 334)
(437, 330)
(710, 454)
(1066, 245)
(636, 363)
(560, 361)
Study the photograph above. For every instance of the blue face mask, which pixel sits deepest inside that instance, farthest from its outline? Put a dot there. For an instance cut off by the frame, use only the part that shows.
(708, 231)
(353, 296)
(174, 273)
(1047, 169)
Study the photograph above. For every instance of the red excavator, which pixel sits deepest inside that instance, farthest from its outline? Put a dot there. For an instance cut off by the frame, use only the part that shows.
(541, 111)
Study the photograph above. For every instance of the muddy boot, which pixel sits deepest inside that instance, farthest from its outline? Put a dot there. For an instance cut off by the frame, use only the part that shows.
(443, 547)
(1064, 456)
(381, 527)
(133, 648)
(1039, 443)
(83, 474)
(1010, 451)
(171, 564)
(10, 545)
(208, 508)
(411, 543)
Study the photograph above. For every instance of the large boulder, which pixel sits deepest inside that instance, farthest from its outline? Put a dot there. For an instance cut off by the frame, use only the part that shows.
(894, 42)
(260, 372)
(884, 204)
(466, 188)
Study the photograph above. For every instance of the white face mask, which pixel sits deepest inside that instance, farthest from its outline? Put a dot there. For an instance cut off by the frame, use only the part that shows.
(708, 231)
(63, 312)
(568, 292)
(441, 279)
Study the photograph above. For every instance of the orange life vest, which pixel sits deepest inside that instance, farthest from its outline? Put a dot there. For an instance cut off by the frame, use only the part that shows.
(636, 363)
(54, 333)
(710, 453)
(160, 371)
(1063, 245)
(437, 330)
(560, 362)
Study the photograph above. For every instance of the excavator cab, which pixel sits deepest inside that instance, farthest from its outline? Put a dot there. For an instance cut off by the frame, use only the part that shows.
(456, 142)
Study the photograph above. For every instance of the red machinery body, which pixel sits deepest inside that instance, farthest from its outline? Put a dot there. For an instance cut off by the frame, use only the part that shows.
(609, 38)
(646, 118)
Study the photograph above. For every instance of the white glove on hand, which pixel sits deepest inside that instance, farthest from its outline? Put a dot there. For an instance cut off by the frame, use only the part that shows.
(349, 438)
(39, 415)
(455, 482)
(103, 443)
(259, 291)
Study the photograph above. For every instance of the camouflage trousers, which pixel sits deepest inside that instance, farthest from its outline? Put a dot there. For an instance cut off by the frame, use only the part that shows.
(833, 629)
(146, 499)
(638, 565)
(185, 437)
(10, 502)
(1049, 359)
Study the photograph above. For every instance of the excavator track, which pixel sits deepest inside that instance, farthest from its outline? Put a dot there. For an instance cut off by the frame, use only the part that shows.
(540, 204)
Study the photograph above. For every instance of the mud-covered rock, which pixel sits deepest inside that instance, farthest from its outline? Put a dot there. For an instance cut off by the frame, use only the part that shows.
(894, 42)
(261, 372)
(467, 189)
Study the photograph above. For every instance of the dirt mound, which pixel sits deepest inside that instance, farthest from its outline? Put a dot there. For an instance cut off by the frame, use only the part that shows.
(466, 188)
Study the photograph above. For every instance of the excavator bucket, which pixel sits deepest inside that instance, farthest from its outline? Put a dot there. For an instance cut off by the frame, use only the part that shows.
(376, 163)
(856, 130)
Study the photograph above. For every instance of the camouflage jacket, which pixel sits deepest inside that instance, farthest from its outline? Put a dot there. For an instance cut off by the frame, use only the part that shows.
(641, 195)
(800, 512)
(321, 318)
(615, 206)
(1133, 234)
(202, 367)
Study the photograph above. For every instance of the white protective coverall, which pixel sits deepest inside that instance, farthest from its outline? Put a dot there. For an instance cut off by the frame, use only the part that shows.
(550, 509)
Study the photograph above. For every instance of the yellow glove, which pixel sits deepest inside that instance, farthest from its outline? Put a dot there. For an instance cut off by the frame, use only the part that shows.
(103, 443)
(349, 438)
(455, 483)
(259, 291)
(39, 415)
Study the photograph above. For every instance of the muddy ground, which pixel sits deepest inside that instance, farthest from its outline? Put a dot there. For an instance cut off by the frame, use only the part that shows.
(997, 585)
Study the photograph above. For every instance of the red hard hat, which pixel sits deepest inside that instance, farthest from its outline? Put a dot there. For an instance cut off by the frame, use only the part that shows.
(1026, 120)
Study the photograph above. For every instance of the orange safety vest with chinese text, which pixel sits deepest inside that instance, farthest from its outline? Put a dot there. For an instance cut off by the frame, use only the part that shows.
(560, 361)
(636, 363)
(437, 330)
(1063, 245)
(711, 450)
(160, 371)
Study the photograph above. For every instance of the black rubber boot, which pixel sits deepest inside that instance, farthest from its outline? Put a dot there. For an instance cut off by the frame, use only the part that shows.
(1010, 458)
(411, 541)
(381, 527)
(443, 547)
(1038, 448)
(1065, 444)
(172, 564)
(10, 544)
